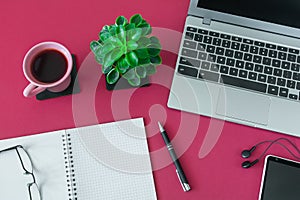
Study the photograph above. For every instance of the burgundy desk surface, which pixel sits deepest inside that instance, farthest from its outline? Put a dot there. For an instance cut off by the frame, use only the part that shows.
(214, 174)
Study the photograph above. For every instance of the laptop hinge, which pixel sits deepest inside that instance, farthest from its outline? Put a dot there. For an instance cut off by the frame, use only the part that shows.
(206, 21)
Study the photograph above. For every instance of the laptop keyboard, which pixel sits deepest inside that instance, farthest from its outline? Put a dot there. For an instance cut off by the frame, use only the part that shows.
(241, 62)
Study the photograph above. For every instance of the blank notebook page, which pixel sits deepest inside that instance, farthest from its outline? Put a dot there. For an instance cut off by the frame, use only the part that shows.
(111, 161)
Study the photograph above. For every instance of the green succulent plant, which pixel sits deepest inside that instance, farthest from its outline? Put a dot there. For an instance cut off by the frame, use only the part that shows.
(126, 49)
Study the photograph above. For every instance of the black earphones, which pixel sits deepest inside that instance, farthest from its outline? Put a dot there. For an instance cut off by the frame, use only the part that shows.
(247, 153)
(248, 164)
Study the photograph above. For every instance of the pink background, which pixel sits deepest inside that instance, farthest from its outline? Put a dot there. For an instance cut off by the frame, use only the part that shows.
(216, 175)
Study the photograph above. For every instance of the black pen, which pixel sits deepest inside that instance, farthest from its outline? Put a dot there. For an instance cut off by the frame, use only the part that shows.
(184, 183)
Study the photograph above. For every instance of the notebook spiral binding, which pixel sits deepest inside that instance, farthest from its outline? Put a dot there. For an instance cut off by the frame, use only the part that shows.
(69, 167)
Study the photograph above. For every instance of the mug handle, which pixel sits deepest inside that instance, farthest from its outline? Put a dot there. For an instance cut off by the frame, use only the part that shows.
(32, 90)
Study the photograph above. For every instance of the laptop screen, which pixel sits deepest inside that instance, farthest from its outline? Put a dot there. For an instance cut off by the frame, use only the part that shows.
(284, 12)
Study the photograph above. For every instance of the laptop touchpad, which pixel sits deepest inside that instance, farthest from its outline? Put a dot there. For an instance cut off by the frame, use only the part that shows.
(243, 105)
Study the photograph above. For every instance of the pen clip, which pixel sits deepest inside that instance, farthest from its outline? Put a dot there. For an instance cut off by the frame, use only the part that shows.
(186, 187)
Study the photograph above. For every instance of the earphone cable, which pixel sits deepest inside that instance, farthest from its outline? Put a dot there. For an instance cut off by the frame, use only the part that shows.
(276, 142)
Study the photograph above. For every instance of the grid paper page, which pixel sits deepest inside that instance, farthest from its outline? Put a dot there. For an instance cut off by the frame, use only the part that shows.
(111, 161)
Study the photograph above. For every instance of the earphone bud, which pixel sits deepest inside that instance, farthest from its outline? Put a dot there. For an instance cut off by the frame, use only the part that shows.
(247, 153)
(248, 164)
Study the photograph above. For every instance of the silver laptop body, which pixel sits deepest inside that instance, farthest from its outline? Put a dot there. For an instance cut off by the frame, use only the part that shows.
(230, 102)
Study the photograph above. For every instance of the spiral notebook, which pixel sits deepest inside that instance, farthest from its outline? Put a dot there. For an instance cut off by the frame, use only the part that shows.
(107, 161)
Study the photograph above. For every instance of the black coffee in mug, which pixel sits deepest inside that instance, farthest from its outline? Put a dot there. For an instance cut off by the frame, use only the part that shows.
(49, 66)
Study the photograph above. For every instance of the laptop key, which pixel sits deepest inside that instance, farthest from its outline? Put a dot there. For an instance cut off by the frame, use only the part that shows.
(207, 75)
(239, 64)
(263, 51)
(291, 58)
(282, 55)
(266, 61)
(268, 70)
(220, 51)
(287, 74)
(226, 43)
(243, 73)
(237, 39)
(277, 72)
(235, 45)
(210, 49)
(233, 71)
(262, 78)
(248, 57)
(249, 66)
(273, 89)
(224, 70)
(257, 59)
(283, 92)
(293, 96)
(229, 53)
(202, 31)
(214, 34)
(281, 48)
(225, 36)
(296, 76)
(276, 63)
(247, 41)
(189, 61)
(251, 85)
(291, 84)
(245, 47)
(252, 75)
(271, 80)
(261, 44)
(207, 39)
(215, 67)
(201, 47)
(285, 65)
(221, 60)
(211, 58)
(189, 53)
(205, 65)
(238, 55)
(298, 59)
(254, 50)
(202, 56)
(258, 68)
(272, 53)
(298, 86)
(295, 67)
(192, 29)
(189, 44)
(230, 62)
(198, 37)
(271, 46)
(189, 35)
(217, 41)
(281, 82)
(188, 71)
(294, 51)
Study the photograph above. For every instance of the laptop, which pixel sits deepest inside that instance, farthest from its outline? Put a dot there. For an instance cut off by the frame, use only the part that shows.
(239, 61)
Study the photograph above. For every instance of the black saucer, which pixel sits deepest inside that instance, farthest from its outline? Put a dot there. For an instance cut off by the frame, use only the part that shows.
(72, 89)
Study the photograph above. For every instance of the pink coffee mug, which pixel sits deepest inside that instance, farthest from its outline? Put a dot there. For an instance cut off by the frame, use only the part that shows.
(36, 86)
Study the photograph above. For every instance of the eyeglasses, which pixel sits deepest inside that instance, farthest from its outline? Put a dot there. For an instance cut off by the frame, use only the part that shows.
(26, 163)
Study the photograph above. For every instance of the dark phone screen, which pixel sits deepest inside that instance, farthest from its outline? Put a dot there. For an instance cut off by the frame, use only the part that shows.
(282, 180)
(284, 12)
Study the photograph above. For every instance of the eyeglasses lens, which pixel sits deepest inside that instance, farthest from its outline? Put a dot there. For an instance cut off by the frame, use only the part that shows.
(34, 192)
(25, 159)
